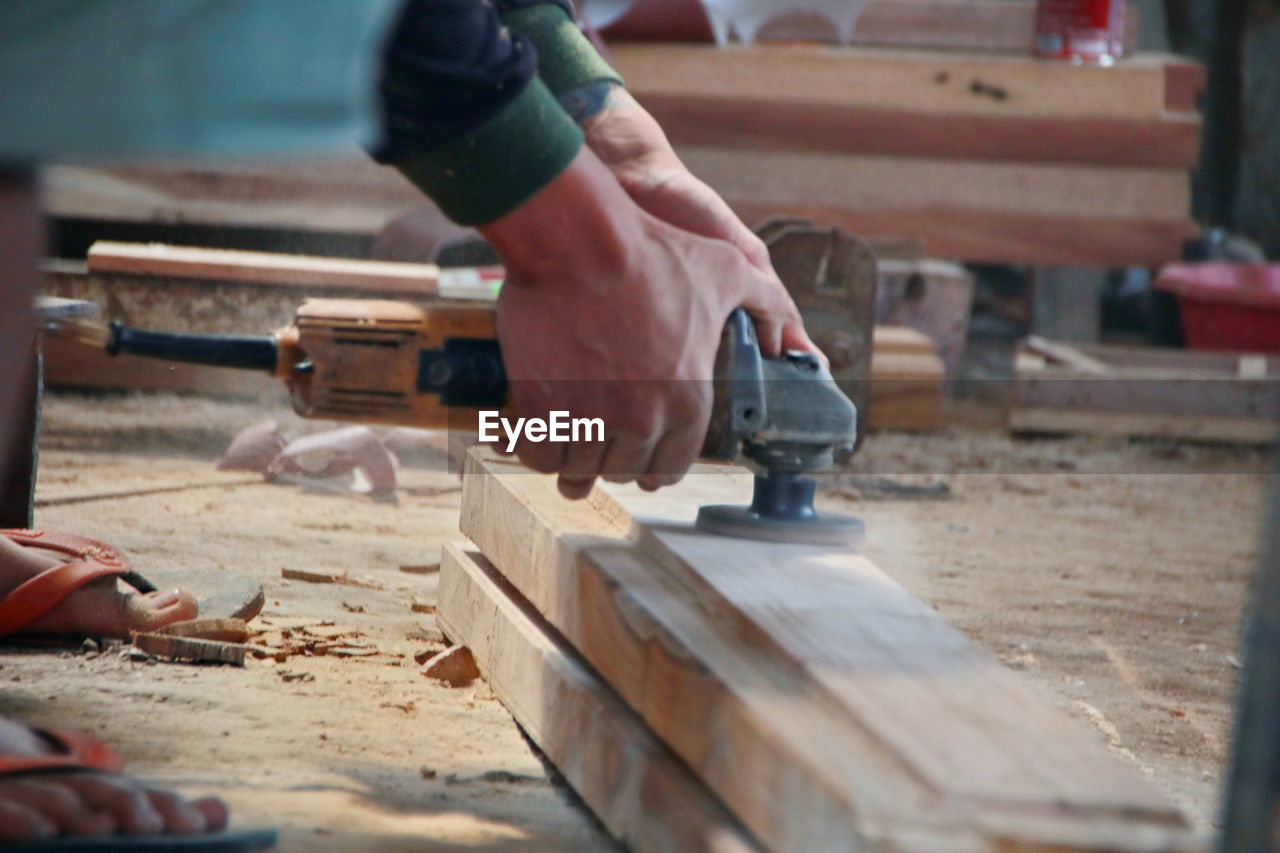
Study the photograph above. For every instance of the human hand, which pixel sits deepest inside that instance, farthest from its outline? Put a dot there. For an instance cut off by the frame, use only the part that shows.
(630, 142)
(608, 311)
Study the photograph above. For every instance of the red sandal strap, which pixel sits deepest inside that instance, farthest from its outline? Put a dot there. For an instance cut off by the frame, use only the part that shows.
(79, 751)
(85, 748)
(38, 595)
(70, 544)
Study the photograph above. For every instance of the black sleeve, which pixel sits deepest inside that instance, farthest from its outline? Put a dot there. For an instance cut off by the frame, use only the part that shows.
(451, 66)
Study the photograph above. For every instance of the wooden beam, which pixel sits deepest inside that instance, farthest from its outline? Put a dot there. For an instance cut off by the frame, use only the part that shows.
(633, 783)
(906, 381)
(1143, 391)
(975, 210)
(888, 184)
(825, 706)
(316, 274)
(1002, 237)
(352, 195)
(1210, 428)
(748, 121)
(1143, 87)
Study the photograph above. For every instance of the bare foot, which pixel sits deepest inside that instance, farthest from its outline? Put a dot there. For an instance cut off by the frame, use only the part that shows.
(98, 609)
(36, 805)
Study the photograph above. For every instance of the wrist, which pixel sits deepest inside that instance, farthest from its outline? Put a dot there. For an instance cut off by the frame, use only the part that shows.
(623, 132)
(582, 219)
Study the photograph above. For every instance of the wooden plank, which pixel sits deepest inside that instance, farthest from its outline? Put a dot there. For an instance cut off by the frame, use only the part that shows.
(351, 195)
(1146, 86)
(906, 381)
(975, 210)
(1064, 354)
(1142, 391)
(1001, 237)
(855, 183)
(1211, 428)
(638, 789)
(1150, 391)
(749, 121)
(823, 704)
(302, 271)
(899, 340)
(1190, 363)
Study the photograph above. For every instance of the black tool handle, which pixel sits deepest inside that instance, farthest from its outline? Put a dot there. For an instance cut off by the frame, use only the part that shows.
(247, 352)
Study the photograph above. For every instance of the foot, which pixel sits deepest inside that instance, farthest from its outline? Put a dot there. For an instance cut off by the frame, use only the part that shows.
(98, 609)
(36, 806)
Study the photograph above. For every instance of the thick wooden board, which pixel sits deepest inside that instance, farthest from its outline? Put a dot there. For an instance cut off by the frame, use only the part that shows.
(906, 381)
(823, 704)
(1210, 428)
(1002, 237)
(638, 789)
(918, 104)
(855, 183)
(749, 121)
(1144, 391)
(315, 274)
(351, 195)
(976, 210)
(900, 340)
(1143, 87)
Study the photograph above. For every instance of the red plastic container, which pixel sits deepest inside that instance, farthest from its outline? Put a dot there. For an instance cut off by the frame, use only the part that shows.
(1226, 306)
(1080, 30)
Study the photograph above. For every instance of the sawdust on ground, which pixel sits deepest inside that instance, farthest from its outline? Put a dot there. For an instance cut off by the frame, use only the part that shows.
(1111, 574)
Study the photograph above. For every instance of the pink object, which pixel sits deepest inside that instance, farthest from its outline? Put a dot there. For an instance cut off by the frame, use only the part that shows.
(324, 455)
(1226, 306)
(253, 448)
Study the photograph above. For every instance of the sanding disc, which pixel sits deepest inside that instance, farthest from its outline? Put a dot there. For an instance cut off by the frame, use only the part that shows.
(745, 523)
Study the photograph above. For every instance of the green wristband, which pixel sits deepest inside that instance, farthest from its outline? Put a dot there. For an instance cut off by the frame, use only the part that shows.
(491, 171)
(566, 59)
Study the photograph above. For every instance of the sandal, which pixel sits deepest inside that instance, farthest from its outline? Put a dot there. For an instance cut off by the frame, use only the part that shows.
(226, 594)
(81, 752)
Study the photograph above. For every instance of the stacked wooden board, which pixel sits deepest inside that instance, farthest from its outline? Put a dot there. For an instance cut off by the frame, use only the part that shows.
(184, 289)
(907, 381)
(708, 693)
(1105, 389)
(981, 156)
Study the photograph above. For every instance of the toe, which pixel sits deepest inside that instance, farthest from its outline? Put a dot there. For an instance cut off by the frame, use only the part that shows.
(180, 817)
(20, 823)
(214, 811)
(122, 798)
(155, 610)
(57, 804)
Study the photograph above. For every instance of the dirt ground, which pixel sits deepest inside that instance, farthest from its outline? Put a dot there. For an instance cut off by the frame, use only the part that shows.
(1111, 574)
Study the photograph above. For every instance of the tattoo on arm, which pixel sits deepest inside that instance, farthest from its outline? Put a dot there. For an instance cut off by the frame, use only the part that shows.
(586, 101)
